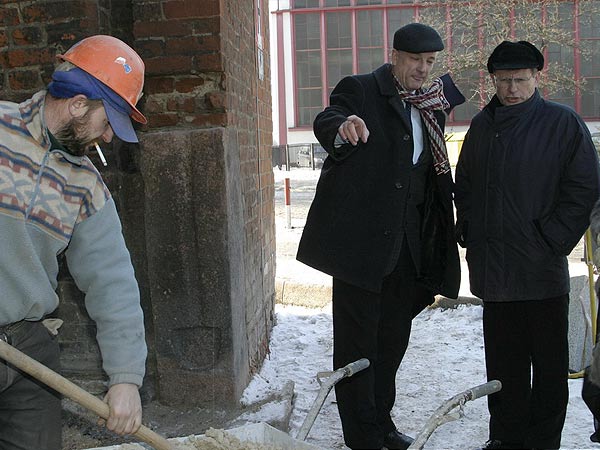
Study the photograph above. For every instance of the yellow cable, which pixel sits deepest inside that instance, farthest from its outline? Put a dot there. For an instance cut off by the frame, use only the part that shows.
(590, 263)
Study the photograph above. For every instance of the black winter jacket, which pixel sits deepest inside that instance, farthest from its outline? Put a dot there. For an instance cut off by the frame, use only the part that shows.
(526, 181)
(362, 206)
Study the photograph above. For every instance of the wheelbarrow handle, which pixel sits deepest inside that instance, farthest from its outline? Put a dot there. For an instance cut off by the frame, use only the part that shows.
(74, 392)
(355, 367)
(326, 386)
(439, 415)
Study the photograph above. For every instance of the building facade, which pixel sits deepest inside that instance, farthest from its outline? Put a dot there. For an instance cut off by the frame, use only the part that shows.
(317, 42)
(195, 196)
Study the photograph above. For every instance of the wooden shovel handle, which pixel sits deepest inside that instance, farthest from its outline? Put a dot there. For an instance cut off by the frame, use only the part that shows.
(74, 392)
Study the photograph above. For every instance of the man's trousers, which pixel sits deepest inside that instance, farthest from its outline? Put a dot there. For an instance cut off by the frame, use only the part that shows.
(30, 412)
(530, 409)
(375, 326)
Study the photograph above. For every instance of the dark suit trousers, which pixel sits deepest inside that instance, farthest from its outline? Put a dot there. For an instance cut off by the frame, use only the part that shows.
(529, 411)
(375, 326)
(30, 412)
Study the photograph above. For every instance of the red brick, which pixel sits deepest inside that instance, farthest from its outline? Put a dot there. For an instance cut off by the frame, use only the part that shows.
(27, 36)
(3, 38)
(168, 65)
(162, 120)
(207, 25)
(192, 44)
(30, 57)
(4, 60)
(24, 80)
(149, 48)
(210, 120)
(153, 106)
(9, 16)
(34, 13)
(186, 104)
(159, 85)
(57, 11)
(147, 12)
(167, 28)
(185, 85)
(216, 99)
(208, 62)
(185, 9)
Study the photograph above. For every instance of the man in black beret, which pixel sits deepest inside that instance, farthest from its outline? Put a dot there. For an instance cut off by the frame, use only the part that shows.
(381, 223)
(526, 181)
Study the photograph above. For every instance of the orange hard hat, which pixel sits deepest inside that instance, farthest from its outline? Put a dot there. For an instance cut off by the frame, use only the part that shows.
(114, 63)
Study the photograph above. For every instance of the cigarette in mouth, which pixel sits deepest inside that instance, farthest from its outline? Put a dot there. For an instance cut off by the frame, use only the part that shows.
(100, 154)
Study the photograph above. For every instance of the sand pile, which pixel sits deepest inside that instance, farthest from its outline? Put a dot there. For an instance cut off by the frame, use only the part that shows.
(213, 439)
(217, 439)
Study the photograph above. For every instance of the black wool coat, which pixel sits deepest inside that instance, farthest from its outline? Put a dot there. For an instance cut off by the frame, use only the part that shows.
(357, 221)
(526, 181)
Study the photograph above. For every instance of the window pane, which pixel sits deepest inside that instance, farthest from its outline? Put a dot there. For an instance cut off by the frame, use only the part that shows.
(308, 69)
(309, 82)
(339, 64)
(339, 30)
(589, 23)
(398, 18)
(339, 46)
(370, 29)
(306, 4)
(395, 2)
(591, 64)
(590, 98)
(470, 87)
(333, 3)
(370, 40)
(524, 16)
(307, 31)
(369, 59)
(368, 2)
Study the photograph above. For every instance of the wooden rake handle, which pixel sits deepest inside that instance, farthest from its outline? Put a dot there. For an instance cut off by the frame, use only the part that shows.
(74, 392)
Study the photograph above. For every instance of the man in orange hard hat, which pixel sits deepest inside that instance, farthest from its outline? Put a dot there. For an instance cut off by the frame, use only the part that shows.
(52, 202)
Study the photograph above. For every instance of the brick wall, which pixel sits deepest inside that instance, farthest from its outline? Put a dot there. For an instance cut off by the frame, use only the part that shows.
(195, 197)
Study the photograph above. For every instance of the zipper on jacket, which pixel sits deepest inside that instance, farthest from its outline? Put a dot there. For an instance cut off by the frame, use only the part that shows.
(37, 184)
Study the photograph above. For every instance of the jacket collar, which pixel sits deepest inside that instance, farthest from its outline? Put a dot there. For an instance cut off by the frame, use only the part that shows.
(385, 81)
(32, 114)
(387, 88)
(506, 115)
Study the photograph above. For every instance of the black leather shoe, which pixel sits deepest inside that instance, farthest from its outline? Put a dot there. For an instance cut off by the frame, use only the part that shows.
(395, 440)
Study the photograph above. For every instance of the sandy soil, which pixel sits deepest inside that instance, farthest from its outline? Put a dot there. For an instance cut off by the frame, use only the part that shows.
(80, 430)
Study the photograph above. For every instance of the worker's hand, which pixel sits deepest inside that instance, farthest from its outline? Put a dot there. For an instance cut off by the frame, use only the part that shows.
(125, 409)
(353, 129)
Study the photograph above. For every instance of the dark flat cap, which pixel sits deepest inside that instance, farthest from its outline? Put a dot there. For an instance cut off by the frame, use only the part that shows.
(515, 55)
(417, 38)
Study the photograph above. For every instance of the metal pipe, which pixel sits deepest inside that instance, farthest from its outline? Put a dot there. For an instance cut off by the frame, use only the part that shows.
(326, 385)
(439, 416)
(288, 206)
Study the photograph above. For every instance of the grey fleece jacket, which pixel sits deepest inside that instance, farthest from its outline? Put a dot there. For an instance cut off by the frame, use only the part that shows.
(52, 202)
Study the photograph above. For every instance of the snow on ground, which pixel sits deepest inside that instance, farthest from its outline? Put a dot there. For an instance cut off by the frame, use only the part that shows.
(445, 357)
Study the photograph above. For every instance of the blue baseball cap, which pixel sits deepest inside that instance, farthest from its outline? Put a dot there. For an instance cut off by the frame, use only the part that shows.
(67, 84)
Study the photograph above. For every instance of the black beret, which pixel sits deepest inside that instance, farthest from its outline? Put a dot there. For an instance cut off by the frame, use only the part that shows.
(417, 38)
(515, 55)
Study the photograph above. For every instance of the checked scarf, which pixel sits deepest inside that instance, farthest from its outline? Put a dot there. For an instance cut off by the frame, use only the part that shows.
(427, 101)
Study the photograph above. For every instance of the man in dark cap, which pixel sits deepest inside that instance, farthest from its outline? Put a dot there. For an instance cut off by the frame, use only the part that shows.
(381, 223)
(526, 181)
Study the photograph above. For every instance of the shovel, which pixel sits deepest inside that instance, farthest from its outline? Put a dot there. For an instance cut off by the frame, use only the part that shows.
(72, 391)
